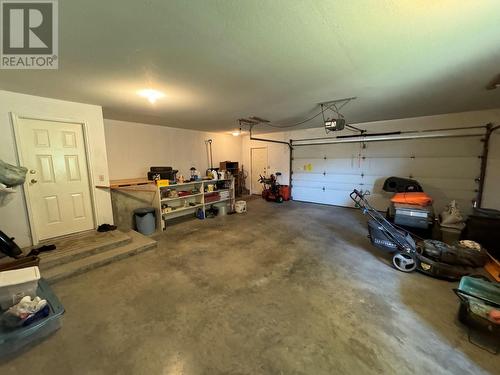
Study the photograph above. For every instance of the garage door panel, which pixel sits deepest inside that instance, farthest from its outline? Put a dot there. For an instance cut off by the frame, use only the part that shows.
(316, 195)
(321, 151)
(326, 181)
(331, 185)
(321, 165)
(446, 167)
(467, 184)
(452, 147)
(425, 167)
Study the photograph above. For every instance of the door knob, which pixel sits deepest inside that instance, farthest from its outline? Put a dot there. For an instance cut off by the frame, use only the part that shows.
(32, 171)
(33, 181)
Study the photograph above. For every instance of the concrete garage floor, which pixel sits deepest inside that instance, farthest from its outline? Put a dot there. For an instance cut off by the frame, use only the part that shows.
(284, 289)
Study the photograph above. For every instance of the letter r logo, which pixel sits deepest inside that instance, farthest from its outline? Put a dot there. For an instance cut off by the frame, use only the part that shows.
(27, 28)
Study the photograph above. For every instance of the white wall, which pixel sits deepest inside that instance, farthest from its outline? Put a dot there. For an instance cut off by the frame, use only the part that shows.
(134, 147)
(279, 155)
(13, 216)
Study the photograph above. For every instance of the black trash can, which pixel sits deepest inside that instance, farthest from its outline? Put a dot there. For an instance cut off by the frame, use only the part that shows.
(145, 220)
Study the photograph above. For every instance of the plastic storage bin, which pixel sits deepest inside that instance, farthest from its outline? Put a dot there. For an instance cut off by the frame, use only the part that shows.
(15, 340)
(16, 284)
(145, 220)
(477, 299)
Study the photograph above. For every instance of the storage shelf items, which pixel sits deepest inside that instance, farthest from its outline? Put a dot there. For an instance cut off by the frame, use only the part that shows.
(177, 203)
(181, 197)
(217, 191)
(180, 209)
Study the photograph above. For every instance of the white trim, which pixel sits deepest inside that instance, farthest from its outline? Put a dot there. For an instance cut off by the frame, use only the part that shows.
(251, 164)
(90, 175)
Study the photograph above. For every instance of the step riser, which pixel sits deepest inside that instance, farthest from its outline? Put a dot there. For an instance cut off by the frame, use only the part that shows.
(100, 263)
(46, 264)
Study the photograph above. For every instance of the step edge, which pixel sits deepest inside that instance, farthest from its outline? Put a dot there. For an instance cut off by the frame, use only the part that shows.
(74, 256)
(78, 270)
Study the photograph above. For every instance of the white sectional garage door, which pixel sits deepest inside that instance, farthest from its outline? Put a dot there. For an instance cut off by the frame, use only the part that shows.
(447, 168)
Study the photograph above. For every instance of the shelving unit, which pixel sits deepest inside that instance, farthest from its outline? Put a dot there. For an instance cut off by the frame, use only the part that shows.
(180, 205)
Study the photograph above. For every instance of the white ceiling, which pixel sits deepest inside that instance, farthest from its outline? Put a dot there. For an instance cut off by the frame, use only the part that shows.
(218, 60)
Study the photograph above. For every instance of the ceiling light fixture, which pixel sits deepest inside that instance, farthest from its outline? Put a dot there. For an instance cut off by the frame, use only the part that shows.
(151, 95)
(236, 133)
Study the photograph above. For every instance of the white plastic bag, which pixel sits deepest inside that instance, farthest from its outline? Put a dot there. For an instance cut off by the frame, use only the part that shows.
(12, 175)
(451, 217)
(6, 194)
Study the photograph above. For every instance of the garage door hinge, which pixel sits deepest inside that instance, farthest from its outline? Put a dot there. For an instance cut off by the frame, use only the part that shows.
(324, 173)
(324, 157)
(323, 188)
(362, 175)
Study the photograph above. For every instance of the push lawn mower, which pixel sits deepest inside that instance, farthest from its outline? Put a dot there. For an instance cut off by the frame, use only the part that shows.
(271, 189)
(386, 237)
(434, 258)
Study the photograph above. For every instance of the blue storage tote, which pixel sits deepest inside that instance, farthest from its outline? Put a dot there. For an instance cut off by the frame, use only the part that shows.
(13, 340)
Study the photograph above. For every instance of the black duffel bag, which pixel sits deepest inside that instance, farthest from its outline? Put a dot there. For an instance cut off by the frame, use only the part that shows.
(454, 255)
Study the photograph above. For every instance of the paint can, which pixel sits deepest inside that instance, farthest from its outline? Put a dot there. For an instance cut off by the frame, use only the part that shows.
(240, 207)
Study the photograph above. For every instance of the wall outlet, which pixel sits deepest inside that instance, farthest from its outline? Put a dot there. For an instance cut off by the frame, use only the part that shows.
(101, 177)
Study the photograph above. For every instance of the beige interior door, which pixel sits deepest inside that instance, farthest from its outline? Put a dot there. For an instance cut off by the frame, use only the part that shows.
(57, 185)
(259, 167)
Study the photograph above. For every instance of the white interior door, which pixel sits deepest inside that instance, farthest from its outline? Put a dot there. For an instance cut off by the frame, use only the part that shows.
(259, 167)
(57, 185)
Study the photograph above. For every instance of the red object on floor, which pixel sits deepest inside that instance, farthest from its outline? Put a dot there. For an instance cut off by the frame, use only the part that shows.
(285, 192)
(418, 198)
(495, 316)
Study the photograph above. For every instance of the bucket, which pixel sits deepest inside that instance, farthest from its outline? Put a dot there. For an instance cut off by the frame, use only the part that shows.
(450, 235)
(222, 209)
(240, 207)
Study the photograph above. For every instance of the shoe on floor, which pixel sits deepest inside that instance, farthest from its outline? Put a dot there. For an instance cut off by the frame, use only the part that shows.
(37, 251)
(106, 228)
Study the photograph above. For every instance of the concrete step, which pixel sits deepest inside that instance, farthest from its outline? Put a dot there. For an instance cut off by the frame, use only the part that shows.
(82, 245)
(138, 245)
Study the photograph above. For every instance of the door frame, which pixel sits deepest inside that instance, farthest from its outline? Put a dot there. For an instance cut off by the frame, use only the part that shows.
(251, 164)
(15, 120)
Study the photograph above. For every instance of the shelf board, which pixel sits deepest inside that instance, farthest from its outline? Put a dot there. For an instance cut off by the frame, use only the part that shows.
(183, 197)
(220, 200)
(191, 183)
(183, 184)
(181, 209)
(216, 191)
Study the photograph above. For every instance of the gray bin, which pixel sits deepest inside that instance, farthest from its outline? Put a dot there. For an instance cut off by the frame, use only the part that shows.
(145, 220)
